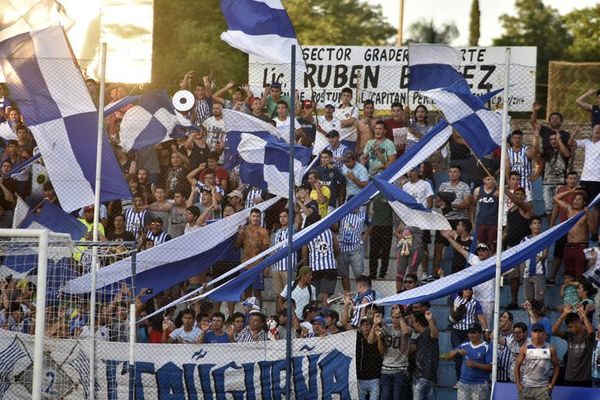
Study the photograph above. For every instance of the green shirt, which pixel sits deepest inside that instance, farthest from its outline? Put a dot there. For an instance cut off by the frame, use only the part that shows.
(383, 214)
(272, 105)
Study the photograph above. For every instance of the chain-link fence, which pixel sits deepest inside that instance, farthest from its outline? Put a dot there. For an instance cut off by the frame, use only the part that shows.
(207, 208)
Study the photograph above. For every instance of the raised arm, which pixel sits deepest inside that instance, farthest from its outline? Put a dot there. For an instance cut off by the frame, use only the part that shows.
(556, 327)
(457, 247)
(219, 95)
(558, 199)
(583, 104)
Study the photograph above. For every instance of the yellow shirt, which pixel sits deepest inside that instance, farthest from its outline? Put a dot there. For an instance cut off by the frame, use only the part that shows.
(323, 208)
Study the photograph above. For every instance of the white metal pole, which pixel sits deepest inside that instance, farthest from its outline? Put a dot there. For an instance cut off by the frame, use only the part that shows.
(132, 334)
(96, 221)
(40, 316)
(500, 221)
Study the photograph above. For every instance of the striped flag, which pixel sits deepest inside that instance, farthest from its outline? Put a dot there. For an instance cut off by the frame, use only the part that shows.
(8, 359)
(49, 89)
(262, 28)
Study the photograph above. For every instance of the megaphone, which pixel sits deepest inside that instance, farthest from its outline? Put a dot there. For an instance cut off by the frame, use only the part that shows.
(183, 100)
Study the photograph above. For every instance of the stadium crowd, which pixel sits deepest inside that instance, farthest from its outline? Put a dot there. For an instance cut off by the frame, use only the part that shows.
(182, 185)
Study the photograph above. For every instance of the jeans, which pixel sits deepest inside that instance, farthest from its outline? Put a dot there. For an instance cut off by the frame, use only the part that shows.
(549, 192)
(392, 385)
(422, 389)
(473, 392)
(368, 389)
(355, 259)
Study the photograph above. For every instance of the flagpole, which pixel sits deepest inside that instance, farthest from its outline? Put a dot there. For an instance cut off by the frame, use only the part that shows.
(93, 271)
(290, 271)
(500, 221)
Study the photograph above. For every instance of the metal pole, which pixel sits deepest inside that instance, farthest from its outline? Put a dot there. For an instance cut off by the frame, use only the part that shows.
(132, 327)
(40, 319)
(96, 221)
(288, 331)
(500, 221)
(400, 24)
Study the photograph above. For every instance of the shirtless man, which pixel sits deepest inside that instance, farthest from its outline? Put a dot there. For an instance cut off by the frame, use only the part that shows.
(577, 237)
(366, 126)
(253, 239)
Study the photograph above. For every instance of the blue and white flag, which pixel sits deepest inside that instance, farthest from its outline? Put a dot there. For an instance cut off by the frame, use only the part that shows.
(410, 211)
(19, 168)
(265, 163)
(480, 127)
(9, 357)
(46, 84)
(118, 104)
(434, 66)
(485, 270)
(51, 217)
(173, 261)
(435, 138)
(153, 121)
(262, 28)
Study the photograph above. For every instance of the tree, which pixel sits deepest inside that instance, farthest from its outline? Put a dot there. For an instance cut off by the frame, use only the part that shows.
(583, 26)
(427, 32)
(474, 22)
(536, 25)
(338, 22)
(187, 35)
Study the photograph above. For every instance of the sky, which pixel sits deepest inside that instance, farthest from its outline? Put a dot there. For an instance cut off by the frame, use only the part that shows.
(457, 11)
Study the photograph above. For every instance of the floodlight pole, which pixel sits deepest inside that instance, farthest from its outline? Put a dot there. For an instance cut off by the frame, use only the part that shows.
(500, 222)
(290, 271)
(93, 270)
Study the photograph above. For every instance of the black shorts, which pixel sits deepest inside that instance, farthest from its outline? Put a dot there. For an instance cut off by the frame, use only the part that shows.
(592, 188)
(559, 247)
(439, 239)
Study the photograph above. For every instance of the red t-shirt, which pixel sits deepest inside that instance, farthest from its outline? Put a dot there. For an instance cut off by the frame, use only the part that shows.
(154, 336)
(392, 124)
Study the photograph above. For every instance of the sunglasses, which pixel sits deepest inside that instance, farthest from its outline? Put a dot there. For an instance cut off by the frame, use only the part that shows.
(409, 281)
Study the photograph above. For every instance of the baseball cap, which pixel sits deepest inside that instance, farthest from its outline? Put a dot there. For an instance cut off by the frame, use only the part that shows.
(333, 133)
(367, 320)
(236, 193)
(304, 270)
(329, 103)
(309, 308)
(318, 320)
(88, 208)
(482, 246)
(474, 327)
(349, 156)
(538, 327)
(276, 85)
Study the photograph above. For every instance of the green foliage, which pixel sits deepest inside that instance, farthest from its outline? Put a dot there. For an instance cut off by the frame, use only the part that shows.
(338, 22)
(427, 32)
(583, 25)
(474, 31)
(187, 35)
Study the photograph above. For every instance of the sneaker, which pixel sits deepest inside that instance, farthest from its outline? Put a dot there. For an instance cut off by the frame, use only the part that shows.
(550, 282)
(512, 306)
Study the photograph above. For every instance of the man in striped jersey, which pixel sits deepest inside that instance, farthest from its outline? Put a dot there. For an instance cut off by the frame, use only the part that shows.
(534, 269)
(533, 366)
(352, 253)
(336, 148)
(156, 233)
(279, 270)
(137, 218)
(254, 331)
(519, 158)
(366, 295)
(465, 312)
(504, 355)
(320, 253)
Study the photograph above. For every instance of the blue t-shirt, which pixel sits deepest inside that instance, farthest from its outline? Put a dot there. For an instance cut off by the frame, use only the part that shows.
(211, 337)
(482, 353)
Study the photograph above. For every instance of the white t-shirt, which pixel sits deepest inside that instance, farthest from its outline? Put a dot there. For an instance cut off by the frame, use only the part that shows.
(342, 113)
(302, 297)
(484, 291)
(591, 171)
(420, 190)
(329, 125)
(284, 127)
(185, 337)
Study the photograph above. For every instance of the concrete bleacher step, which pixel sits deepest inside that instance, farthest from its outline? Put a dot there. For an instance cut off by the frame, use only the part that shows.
(442, 393)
